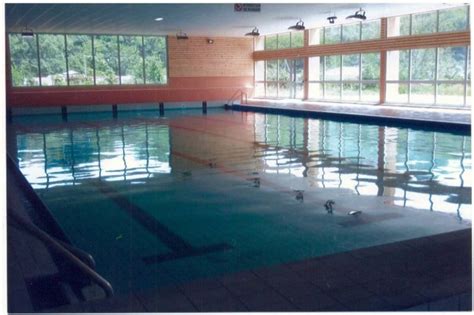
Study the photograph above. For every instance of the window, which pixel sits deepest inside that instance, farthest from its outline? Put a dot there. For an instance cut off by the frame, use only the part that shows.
(24, 60)
(155, 60)
(52, 60)
(131, 60)
(428, 76)
(446, 20)
(345, 33)
(59, 60)
(80, 61)
(282, 78)
(106, 59)
(352, 77)
(280, 41)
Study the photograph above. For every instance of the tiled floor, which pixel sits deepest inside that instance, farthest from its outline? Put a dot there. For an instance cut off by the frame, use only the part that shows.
(430, 273)
(383, 111)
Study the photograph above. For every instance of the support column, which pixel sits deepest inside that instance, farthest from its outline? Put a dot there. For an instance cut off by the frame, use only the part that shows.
(114, 111)
(64, 113)
(204, 107)
(162, 109)
(306, 67)
(383, 63)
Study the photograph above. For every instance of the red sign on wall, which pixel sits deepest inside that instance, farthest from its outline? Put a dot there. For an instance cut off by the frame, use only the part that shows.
(247, 7)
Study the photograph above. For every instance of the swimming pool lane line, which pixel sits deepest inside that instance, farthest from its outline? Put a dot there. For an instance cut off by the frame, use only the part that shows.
(180, 248)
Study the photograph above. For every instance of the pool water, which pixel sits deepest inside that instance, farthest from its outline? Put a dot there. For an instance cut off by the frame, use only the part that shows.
(162, 200)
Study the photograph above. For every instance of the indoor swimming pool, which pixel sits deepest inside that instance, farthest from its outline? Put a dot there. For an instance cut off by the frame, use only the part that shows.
(164, 200)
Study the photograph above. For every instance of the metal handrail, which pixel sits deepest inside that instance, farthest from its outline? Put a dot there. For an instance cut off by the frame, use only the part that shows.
(56, 245)
(235, 94)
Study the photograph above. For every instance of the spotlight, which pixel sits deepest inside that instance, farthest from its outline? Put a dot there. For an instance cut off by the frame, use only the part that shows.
(181, 35)
(360, 15)
(254, 32)
(210, 41)
(27, 33)
(299, 26)
(332, 19)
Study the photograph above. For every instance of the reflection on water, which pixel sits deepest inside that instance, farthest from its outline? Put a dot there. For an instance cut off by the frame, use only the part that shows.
(419, 169)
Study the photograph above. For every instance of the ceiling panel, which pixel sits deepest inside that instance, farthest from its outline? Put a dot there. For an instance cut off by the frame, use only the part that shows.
(193, 19)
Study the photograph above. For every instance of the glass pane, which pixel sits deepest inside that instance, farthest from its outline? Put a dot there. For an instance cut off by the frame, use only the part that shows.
(423, 64)
(315, 68)
(299, 70)
(468, 96)
(284, 68)
(315, 90)
(299, 91)
(397, 65)
(131, 60)
(79, 58)
(271, 89)
(453, 19)
(468, 64)
(284, 90)
(52, 60)
(370, 92)
(155, 60)
(333, 68)
(332, 91)
(398, 26)
(271, 72)
(351, 32)
(259, 89)
(260, 70)
(284, 41)
(371, 30)
(451, 63)
(106, 59)
(350, 67)
(270, 42)
(350, 91)
(259, 43)
(332, 35)
(316, 36)
(424, 23)
(422, 93)
(297, 39)
(370, 65)
(24, 60)
(450, 94)
(397, 93)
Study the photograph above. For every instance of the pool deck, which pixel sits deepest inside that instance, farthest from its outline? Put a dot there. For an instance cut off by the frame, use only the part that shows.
(458, 117)
(424, 274)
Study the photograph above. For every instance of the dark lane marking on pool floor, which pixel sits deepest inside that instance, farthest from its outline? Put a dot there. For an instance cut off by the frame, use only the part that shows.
(180, 248)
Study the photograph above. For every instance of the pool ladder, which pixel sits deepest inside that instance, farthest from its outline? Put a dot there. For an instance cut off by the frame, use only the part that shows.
(243, 97)
(77, 257)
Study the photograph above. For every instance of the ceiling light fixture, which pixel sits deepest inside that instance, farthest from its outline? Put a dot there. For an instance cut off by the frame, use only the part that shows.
(158, 19)
(299, 26)
(360, 15)
(332, 19)
(210, 41)
(181, 35)
(254, 32)
(27, 33)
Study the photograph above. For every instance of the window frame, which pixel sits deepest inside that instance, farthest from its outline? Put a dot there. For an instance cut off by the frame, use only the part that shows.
(92, 35)
(434, 82)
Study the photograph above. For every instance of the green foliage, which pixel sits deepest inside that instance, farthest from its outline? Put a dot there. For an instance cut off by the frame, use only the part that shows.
(131, 60)
(81, 59)
(453, 19)
(424, 23)
(371, 30)
(284, 41)
(332, 35)
(351, 32)
(297, 39)
(155, 59)
(24, 62)
(271, 42)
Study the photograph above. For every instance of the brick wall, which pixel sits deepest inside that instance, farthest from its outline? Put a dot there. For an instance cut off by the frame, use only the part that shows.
(197, 71)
